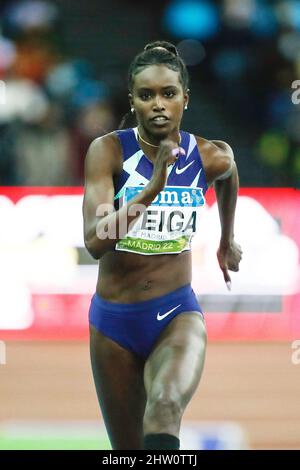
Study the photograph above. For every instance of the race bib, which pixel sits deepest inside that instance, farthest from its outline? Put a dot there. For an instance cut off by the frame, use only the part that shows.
(168, 224)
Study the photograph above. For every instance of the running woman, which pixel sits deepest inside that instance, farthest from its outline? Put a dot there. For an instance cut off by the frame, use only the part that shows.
(144, 187)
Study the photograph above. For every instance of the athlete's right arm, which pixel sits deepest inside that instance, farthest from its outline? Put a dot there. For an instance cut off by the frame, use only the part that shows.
(103, 226)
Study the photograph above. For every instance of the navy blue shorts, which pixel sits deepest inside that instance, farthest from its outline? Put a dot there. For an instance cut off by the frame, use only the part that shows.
(137, 326)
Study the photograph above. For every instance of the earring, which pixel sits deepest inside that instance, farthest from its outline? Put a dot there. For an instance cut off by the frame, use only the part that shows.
(132, 110)
(186, 107)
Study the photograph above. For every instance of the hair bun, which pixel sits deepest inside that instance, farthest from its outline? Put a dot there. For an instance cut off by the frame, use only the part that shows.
(162, 45)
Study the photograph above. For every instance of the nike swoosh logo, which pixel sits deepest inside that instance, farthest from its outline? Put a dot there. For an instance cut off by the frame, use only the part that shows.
(181, 170)
(161, 317)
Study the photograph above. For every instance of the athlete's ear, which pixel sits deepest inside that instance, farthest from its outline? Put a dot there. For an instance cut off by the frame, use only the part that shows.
(130, 99)
(186, 98)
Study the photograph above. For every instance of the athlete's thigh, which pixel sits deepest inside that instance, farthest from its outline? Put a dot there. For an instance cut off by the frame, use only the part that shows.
(175, 365)
(118, 376)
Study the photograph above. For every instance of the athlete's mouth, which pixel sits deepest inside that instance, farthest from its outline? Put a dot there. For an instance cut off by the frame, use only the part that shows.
(160, 118)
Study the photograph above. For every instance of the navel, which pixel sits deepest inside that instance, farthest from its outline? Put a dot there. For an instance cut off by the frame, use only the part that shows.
(147, 285)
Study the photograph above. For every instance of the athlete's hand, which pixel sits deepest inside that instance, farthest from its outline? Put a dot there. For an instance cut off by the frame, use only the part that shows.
(229, 256)
(168, 153)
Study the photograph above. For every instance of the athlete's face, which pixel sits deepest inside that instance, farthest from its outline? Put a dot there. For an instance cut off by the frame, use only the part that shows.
(158, 99)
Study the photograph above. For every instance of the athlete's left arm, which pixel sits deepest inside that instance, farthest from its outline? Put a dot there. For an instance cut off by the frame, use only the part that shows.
(226, 185)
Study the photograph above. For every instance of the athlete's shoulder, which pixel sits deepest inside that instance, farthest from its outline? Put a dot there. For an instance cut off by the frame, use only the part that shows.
(217, 157)
(105, 149)
(110, 140)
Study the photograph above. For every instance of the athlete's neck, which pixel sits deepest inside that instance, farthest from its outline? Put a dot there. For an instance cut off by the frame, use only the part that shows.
(153, 143)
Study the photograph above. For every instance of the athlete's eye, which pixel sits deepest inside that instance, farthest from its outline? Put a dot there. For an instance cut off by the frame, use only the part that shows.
(170, 93)
(145, 96)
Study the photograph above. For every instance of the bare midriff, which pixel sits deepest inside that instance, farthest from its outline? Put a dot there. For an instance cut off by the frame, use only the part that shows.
(127, 278)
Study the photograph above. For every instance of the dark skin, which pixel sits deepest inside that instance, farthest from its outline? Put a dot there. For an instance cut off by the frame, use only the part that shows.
(150, 396)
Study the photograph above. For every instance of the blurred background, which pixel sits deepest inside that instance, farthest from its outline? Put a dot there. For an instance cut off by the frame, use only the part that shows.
(63, 82)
